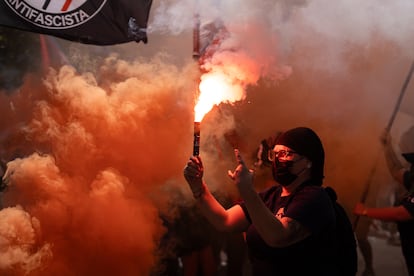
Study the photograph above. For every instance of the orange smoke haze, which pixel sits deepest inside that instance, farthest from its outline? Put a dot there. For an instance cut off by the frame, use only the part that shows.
(84, 185)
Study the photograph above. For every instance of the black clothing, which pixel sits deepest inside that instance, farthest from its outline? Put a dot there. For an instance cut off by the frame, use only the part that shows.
(311, 206)
(406, 228)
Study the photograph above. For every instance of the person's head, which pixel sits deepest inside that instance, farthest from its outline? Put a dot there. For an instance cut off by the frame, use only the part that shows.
(298, 151)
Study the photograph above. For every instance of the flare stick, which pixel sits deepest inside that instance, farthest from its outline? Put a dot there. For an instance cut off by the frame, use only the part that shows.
(196, 144)
(196, 37)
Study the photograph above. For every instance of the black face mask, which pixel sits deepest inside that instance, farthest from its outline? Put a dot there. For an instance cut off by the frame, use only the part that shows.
(409, 157)
(281, 172)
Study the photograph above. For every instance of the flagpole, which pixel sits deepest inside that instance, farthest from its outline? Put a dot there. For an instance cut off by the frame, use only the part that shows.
(196, 37)
(387, 130)
(44, 53)
(196, 57)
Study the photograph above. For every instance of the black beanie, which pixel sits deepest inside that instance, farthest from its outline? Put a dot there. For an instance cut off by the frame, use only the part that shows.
(306, 142)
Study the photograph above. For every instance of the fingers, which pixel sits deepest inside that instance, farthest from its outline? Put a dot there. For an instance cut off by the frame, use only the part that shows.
(359, 208)
(195, 161)
(241, 167)
(231, 174)
(239, 157)
(199, 160)
(241, 161)
(191, 171)
(194, 168)
(385, 137)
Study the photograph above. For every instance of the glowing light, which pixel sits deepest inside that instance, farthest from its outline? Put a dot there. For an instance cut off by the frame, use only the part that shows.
(216, 88)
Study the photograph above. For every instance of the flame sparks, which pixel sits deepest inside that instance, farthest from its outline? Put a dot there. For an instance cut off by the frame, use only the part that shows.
(216, 88)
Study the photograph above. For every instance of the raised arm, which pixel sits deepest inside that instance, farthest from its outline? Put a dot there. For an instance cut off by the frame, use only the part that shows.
(230, 220)
(275, 231)
(394, 165)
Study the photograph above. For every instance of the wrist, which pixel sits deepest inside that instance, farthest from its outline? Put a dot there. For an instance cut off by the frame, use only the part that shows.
(365, 212)
(200, 192)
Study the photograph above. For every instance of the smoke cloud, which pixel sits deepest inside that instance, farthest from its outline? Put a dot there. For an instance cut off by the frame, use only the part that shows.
(95, 148)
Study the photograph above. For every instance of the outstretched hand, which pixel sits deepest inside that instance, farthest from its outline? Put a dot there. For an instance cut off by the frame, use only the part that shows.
(385, 138)
(360, 209)
(193, 174)
(242, 176)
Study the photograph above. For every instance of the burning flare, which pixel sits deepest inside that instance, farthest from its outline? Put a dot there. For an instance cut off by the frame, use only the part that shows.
(216, 88)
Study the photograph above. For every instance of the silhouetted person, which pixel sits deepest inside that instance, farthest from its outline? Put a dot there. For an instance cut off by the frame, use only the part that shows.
(403, 213)
(290, 226)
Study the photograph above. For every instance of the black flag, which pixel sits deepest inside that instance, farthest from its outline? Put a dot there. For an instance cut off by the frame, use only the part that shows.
(99, 22)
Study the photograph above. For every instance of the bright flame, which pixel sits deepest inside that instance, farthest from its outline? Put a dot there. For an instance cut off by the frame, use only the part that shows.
(216, 88)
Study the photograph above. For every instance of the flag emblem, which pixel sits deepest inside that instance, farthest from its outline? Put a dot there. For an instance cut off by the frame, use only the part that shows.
(56, 14)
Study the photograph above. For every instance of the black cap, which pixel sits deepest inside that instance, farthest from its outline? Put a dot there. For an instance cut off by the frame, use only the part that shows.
(306, 142)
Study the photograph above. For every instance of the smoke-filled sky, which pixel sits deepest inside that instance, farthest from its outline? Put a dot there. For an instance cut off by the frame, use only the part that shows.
(96, 147)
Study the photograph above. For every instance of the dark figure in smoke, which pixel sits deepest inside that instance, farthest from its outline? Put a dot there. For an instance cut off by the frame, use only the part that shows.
(3, 185)
(403, 214)
(289, 227)
(19, 56)
(192, 239)
(262, 165)
(135, 19)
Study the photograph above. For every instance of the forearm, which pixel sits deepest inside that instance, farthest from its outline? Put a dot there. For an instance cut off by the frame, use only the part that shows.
(393, 163)
(271, 229)
(213, 210)
(388, 213)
